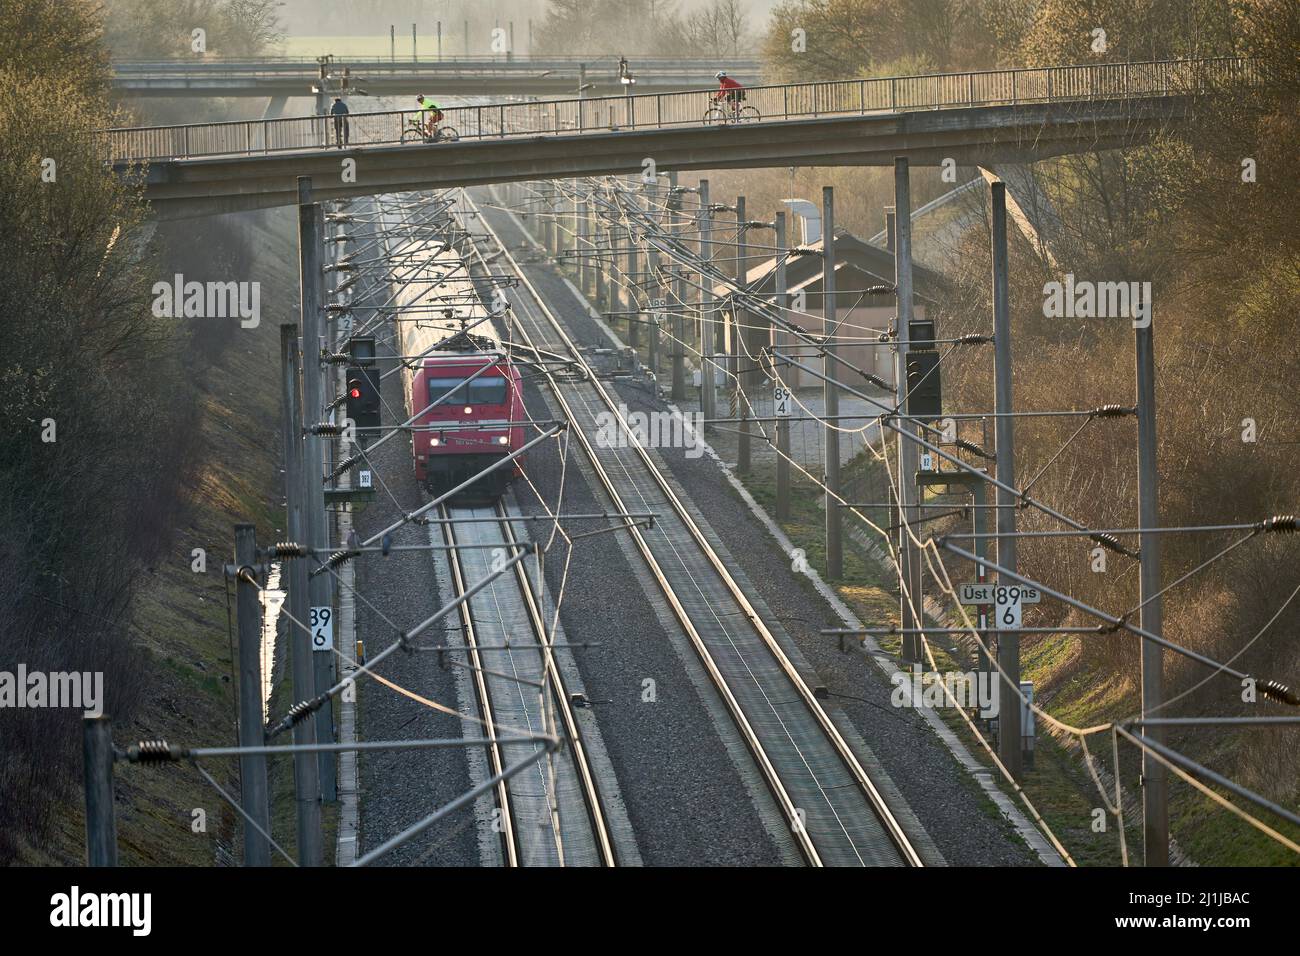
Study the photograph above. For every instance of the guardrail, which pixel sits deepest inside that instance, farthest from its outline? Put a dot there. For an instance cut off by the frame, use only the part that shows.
(665, 110)
(637, 63)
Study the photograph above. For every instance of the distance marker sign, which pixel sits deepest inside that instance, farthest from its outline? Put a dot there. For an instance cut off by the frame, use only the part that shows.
(1008, 607)
(987, 594)
(322, 629)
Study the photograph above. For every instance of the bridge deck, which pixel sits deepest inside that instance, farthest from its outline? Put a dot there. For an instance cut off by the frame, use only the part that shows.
(1066, 84)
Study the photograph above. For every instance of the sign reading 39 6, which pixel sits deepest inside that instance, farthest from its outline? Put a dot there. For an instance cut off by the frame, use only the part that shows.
(322, 629)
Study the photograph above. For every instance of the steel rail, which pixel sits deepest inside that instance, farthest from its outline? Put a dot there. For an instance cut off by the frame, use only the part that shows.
(765, 765)
(827, 726)
(586, 776)
(509, 838)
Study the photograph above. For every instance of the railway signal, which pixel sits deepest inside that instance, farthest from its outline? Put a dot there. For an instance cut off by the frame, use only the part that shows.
(924, 392)
(363, 396)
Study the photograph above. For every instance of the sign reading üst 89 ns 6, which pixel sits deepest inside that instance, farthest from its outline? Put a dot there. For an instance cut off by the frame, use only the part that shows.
(987, 593)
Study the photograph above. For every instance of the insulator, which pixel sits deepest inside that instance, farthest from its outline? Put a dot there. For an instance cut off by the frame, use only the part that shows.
(1276, 690)
(974, 449)
(288, 549)
(338, 358)
(1282, 524)
(1108, 541)
(340, 558)
(153, 751)
(975, 338)
(1113, 411)
(345, 465)
(326, 428)
(298, 711)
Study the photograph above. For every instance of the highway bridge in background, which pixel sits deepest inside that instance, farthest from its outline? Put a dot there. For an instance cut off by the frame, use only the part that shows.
(459, 76)
(975, 119)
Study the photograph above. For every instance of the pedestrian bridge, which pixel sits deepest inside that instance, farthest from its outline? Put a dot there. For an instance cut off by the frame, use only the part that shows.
(452, 76)
(980, 118)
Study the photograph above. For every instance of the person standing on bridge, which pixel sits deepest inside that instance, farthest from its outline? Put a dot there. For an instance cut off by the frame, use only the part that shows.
(340, 113)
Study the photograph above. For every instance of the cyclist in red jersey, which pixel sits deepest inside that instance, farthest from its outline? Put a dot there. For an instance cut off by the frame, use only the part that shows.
(728, 89)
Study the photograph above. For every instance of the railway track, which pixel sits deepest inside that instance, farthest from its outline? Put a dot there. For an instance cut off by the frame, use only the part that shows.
(551, 813)
(834, 812)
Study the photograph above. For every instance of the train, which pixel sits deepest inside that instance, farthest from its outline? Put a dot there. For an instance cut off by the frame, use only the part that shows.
(460, 384)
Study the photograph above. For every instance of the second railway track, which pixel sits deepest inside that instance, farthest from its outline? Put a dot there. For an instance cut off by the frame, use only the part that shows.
(834, 812)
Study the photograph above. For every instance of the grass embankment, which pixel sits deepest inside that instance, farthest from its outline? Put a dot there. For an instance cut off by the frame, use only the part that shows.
(183, 618)
(1059, 787)
(1059, 783)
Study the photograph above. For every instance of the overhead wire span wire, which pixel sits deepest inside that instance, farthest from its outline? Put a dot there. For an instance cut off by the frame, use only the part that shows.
(1145, 745)
(1082, 733)
(243, 813)
(930, 653)
(722, 629)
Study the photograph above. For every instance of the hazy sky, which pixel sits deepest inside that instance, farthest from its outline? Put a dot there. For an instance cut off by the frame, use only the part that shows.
(327, 17)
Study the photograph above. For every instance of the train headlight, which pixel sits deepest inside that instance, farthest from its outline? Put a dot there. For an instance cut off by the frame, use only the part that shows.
(503, 440)
(435, 442)
(468, 410)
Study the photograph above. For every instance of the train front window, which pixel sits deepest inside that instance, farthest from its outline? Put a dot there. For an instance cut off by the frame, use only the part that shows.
(487, 390)
(484, 390)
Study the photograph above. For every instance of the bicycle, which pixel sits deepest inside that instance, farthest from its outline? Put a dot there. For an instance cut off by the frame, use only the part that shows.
(414, 130)
(734, 113)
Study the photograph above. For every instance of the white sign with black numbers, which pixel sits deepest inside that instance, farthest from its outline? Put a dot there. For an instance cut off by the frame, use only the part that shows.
(365, 479)
(983, 593)
(1008, 607)
(927, 461)
(322, 629)
(781, 402)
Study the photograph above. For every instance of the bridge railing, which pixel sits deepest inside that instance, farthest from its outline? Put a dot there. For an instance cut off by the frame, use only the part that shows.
(668, 110)
(572, 59)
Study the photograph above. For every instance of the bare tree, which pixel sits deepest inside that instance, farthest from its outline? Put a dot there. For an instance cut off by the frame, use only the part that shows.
(719, 29)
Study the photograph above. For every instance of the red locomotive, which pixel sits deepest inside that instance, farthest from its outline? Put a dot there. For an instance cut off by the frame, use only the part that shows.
(475, 395)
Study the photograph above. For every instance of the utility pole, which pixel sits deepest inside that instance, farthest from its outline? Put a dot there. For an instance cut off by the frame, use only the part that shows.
(254, 797)
(635, 279)
(654, 288)
(1005, 518)
(544, 217)
(306, 769)
(708, 395)
(908, 452)
(310, 274)
(831, 391)
(678, 392)
(584, 249)
(779, 304)
(440, 41)
(1155, 797)
(604, 279)
(101, 818)
(741, 343)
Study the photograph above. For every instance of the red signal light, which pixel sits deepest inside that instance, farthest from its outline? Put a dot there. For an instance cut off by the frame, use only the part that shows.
(355, 392)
